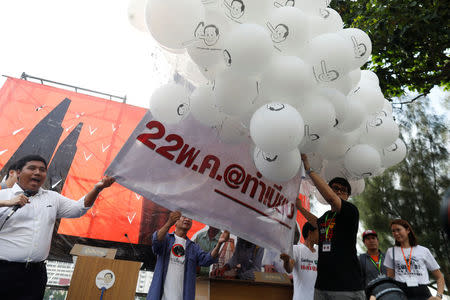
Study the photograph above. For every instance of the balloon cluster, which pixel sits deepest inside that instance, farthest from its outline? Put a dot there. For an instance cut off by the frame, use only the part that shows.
(287, 74)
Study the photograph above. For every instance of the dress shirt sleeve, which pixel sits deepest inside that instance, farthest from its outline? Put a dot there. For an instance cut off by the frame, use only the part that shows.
(68, 208)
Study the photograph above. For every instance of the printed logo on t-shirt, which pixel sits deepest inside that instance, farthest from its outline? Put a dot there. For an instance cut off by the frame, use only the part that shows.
(323, 230)
(308, 264)
(416, 268)
(178, 254)
(178, 250)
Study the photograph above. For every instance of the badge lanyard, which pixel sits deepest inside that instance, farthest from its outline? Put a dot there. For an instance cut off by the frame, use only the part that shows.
(377, 264)
(326, 231)
(408, 264)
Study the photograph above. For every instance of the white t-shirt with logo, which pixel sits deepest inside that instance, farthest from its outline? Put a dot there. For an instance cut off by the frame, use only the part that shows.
(173, 284)
(422, 261)
(305, 272)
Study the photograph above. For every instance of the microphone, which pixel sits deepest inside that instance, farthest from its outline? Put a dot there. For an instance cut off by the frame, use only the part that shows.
(131, 244)
(27, 193)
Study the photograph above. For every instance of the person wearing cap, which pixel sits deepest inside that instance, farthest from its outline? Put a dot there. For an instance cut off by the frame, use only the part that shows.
(338, 270)
(371, 261)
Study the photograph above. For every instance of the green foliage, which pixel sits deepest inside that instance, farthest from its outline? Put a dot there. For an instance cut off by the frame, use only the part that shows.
(413, 189)
(410, 41)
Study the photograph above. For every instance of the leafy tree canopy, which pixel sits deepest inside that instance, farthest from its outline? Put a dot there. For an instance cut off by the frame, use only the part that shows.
(410, 41)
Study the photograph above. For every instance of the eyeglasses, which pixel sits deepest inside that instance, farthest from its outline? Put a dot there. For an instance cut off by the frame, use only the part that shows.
(340, 189)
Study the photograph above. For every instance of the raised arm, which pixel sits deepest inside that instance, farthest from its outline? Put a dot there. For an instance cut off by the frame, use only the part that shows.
(174, 216)
(322, 186)
(312, 219)
(223, 239)
(93, 194)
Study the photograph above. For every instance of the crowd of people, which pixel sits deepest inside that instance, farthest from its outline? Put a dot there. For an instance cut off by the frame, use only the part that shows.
(325, 266)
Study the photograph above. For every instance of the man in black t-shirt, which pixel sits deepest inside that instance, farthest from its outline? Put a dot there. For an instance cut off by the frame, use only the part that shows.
(338, 271)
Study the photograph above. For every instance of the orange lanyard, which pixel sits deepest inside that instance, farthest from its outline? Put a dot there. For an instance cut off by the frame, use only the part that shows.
(408, 264)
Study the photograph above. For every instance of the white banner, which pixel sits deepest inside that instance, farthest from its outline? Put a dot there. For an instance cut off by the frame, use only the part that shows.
(186, 167)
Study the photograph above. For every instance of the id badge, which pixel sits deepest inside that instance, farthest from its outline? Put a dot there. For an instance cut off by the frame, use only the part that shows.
(326, 247)
(412, 282)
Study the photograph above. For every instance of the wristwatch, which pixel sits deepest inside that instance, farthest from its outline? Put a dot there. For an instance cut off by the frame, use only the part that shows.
(309, 171)
(439, 295)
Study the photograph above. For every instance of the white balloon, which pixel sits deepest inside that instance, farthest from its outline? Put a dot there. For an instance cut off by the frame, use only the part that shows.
(355, 118)
(371, 97)
(355, 77)
(379, 131)
(340, 103)
(378, 172)
(173, 22)
(246, 11)
(315, 161)
(319, 116)
(277, 167)
(309, 144)
(362, 46)
(330, 57)
(286, 77)
(207, 50)
(308, 6)
(342, 84)
(277, 127)
(235, 93)
(362, 160)
(335, 144)
(203, 107)
(136, 14)
(248, 49)
(393, 154)
(387, 107)
(170, 103)
(288, 27)
(358, 186)
(367, 75)
(327, 21)
(232, 131)
(333, 169)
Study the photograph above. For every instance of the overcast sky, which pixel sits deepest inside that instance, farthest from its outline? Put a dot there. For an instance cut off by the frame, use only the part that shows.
(87, 43)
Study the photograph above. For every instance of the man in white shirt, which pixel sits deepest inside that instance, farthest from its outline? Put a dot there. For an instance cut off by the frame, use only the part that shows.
(304, 263)
(27, 218)
(11, 177)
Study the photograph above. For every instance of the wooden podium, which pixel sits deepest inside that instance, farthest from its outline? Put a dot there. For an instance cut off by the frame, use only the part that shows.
(83, 286)
(225, 289)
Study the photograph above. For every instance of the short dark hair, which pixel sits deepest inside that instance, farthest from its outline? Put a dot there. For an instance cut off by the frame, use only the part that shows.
(296, 234)
(341, 181)
(307, 228)
(411, 236)
(33, 157)
(12, 167)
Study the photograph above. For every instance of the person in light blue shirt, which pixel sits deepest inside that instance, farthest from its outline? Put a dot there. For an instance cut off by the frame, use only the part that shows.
(177, 260)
